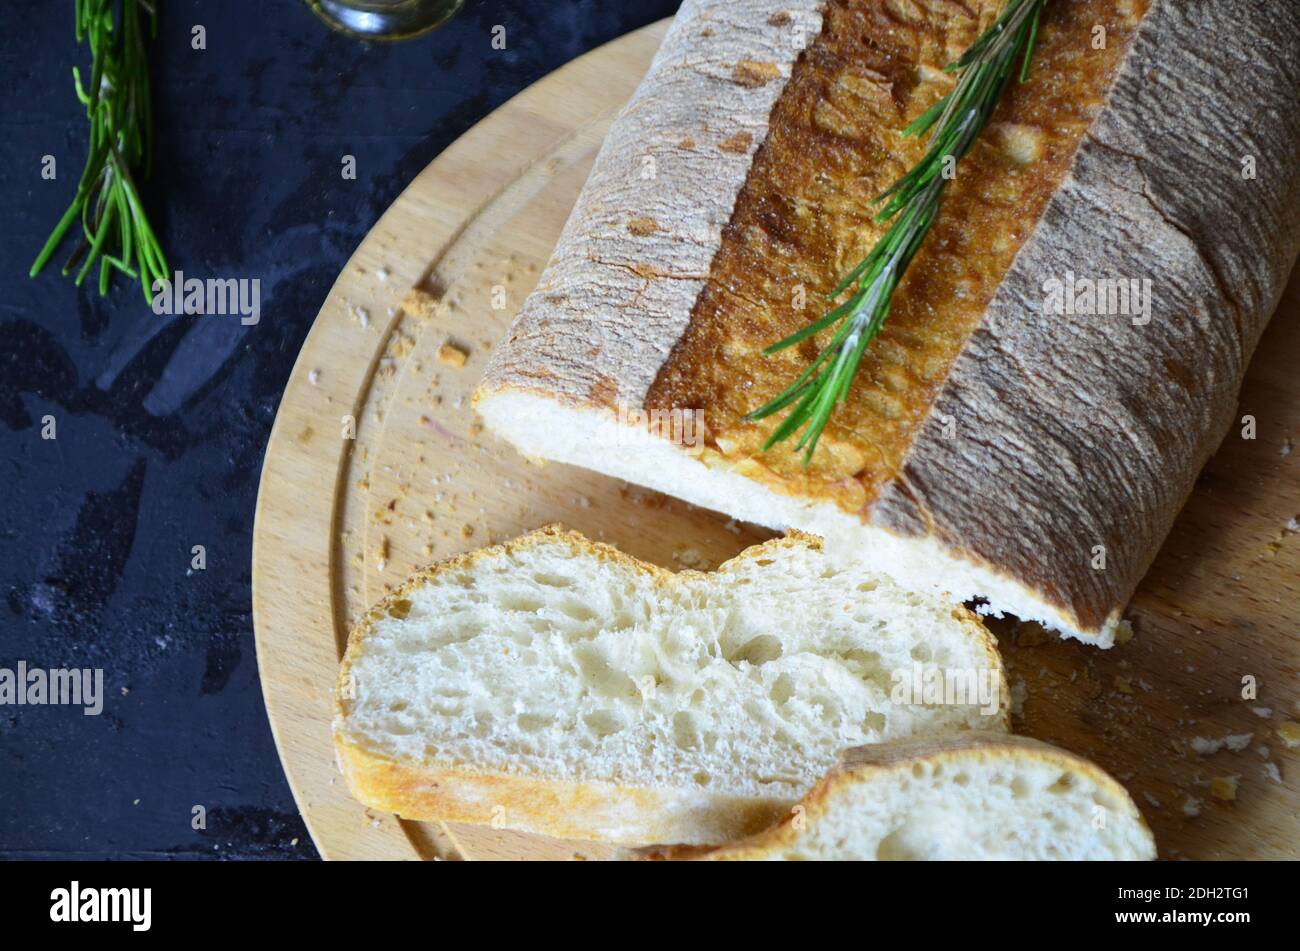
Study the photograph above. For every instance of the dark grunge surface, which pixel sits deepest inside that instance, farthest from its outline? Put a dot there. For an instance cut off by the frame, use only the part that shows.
(161, 422)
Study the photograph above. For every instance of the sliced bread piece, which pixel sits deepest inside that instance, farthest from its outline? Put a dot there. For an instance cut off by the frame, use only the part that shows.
(556, 685)
(958, 797)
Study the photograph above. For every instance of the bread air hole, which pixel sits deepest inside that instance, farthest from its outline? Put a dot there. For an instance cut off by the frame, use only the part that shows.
(552, 581)
(685, 735)
(532, 722)
(603, 722)
(523, 604)
(758, 651)
(1064, 783)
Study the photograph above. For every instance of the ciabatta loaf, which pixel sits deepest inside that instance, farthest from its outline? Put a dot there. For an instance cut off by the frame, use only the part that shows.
(561, 687)
(1060, 360)
(968, 798)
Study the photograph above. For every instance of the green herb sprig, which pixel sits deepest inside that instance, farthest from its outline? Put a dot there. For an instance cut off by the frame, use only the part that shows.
(954, 123)
(115, 230)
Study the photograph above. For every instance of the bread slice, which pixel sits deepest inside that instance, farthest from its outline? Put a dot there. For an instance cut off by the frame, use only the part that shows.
(992, 444)
(556, 685)
(961, 797)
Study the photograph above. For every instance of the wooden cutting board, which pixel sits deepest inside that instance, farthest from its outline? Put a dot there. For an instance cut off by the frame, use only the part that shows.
(376, 466)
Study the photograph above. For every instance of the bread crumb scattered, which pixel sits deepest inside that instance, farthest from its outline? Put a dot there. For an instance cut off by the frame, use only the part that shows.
(1272, 772)
(467, 531)
(690, 558)
(452, 355)
(419, 304)
(1224, 788)
(1192, 808)
(1235, 742)
(1289, 731)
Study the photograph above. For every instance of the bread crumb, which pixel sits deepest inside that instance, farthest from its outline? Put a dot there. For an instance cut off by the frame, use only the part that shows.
(690, 558)
(640, 227)
(1272, 772)
(1235, 742)
(313, 377)
(419, 304)
(1224, 788)
(1123, 685)
(452, 355)
(1124, 631)
(1289, 731)
(467, 531)
(1192, 808)
(1262, 712)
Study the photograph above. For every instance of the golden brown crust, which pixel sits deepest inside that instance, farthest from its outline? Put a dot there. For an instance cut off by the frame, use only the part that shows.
(864, 763)
(802, 221)
(605, 812)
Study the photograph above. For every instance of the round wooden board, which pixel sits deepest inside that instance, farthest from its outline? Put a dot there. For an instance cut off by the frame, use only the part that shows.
(376, 466)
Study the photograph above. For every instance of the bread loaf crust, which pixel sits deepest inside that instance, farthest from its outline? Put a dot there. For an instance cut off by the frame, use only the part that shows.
(1058, 448)
(1080, 438)
(635, 253)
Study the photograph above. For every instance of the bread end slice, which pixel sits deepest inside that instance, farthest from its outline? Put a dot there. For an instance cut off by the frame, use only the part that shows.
(968, 797)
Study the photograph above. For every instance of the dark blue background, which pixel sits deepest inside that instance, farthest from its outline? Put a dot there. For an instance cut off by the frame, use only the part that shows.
(162, 423)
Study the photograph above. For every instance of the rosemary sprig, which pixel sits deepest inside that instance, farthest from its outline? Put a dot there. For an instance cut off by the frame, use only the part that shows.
(115, 229)
(954, 123)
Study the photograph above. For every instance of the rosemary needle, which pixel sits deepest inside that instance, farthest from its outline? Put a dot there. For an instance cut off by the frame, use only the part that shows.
(954, 123)
(116, 233)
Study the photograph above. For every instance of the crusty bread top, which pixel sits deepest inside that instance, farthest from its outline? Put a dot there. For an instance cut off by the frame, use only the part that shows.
(1051, 455)
(636, 249)
(803, 220)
